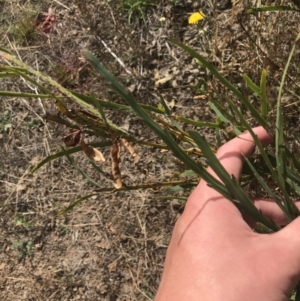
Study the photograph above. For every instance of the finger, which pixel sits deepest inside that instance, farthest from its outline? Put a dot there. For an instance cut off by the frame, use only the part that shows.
(231, 155)
(271, 210)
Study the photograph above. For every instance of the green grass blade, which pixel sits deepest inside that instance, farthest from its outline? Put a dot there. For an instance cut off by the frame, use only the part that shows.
(280, 140)
(76, 166)
(295, 162)
(251, 84)
(4, 50)
(291, 175)
(21, 94)
(56, 118)
(99, 108)
(280, 154)
(69, 151)
(224, 122)
(270, 8)
(218, 113)
(96, 166)
(226, 113)
(105, 104)
(264, 155)
(293, 186)
(6, 74)
(110, 105)
(231, 183)
(264, 184)
(48, 80)
(198, 123)
(161, 133)
(165, 105)
(40, 86)
(263, 94)
(225, 82)
(74, 204)
(168, 112)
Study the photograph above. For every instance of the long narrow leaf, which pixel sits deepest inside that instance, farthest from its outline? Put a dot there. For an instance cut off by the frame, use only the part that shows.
(251, 84)
(69, 152)
(74, 204)
(225, 82)
(272, 195)
(164, 135)
(110, 105)
(48, 80)
(295, 162)
(183, 183)
(270, 8)
(264, 154)
(263, 94)
(198, 123)
(280, 141)
(22, 94)
(76, 166)
(231, 183)
(7, 74)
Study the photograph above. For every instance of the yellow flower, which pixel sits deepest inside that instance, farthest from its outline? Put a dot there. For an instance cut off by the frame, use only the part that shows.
(194, 18)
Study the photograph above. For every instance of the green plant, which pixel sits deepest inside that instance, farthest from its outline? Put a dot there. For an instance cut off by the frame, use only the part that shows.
(63, 230)
(167, 127)
(5, 123)
(281, 165)
(137, 9)
(24, 29)
(278, 175)
(22, 221)
(31, 125)
(24, 247)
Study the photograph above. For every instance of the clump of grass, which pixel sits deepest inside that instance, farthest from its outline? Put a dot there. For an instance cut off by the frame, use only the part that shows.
(137, 9)
(23, 222)
(281, 165)
(184, 145)
(24, 248)
(61, 74)
(187, 147)
(5, 122)
(25, 29)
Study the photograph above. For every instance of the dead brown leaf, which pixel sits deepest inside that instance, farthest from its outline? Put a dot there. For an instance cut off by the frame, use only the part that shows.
(92, 152)
(72, 138)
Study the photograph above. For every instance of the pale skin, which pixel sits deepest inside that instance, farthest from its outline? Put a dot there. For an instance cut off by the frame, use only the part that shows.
(214, 253)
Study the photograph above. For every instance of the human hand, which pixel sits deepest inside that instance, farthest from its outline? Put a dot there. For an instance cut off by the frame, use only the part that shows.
(215, 255)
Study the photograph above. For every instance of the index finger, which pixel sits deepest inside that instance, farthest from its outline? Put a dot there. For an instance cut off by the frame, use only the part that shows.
(231, 156)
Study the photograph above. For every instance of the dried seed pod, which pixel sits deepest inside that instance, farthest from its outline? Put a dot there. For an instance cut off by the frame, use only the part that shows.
(127, 145)
(92, 152)
(115, 161)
